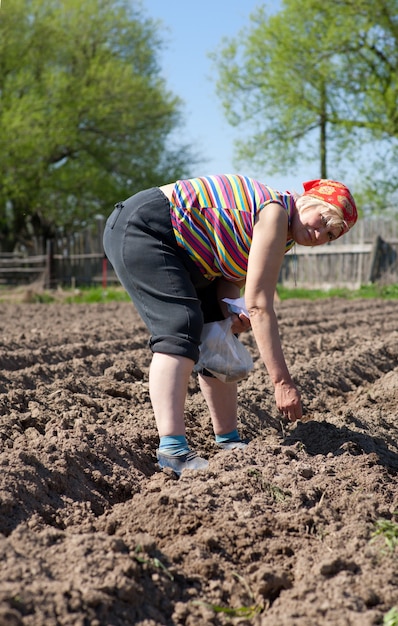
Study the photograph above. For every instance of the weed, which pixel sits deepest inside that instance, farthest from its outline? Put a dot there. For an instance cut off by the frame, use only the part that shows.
(276, 493)
(243, 611)
(391, 618)
(388, 530)
(152, 561)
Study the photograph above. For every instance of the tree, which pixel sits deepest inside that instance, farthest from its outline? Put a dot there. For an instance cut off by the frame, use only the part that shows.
(315, 81)
(85, 117)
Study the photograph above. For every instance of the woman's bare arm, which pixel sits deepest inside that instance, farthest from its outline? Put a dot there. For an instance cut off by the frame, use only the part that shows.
(265, 260)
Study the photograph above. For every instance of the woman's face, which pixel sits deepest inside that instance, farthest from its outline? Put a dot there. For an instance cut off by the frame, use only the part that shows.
(309, 227)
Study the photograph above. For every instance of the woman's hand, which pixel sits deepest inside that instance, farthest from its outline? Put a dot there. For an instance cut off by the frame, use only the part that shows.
(240, 323)
(288, 401)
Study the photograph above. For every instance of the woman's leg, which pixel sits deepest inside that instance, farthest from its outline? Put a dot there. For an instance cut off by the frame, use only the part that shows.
(222, 399)
(140, 243)
(168, 383)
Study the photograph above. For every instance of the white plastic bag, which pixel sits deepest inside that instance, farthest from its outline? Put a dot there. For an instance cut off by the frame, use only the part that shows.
(222, 354)
(237, 305)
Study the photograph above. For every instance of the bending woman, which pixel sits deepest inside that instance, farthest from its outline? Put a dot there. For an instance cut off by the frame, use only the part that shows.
(179, 249)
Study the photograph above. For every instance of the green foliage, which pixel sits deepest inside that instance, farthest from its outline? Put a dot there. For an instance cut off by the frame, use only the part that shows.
(85, 117)
(312, 82)
(391, 618)
(388, 531)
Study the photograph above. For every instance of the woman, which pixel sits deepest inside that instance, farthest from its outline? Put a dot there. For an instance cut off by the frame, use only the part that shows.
(180, 249)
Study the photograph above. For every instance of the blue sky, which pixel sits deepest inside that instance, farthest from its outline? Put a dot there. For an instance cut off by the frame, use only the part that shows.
(189, 32)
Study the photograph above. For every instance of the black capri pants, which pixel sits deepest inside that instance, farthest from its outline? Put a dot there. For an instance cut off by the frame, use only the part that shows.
(168, 290)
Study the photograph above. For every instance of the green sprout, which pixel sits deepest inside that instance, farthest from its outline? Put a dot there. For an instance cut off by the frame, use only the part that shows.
(388, 530)
(276, 493)
(391, 618)
(242, 611)
(151, 561)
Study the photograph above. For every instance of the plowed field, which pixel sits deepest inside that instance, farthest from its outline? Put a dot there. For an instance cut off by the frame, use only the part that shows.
(92, 533)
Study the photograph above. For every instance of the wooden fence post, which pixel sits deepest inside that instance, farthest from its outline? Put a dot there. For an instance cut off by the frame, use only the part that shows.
(383, 258)
(49, 264)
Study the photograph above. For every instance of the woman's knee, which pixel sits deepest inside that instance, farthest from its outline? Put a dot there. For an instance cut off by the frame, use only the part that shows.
(179, 346)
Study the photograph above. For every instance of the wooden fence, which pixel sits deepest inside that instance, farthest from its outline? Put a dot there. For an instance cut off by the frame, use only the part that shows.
(368, 253)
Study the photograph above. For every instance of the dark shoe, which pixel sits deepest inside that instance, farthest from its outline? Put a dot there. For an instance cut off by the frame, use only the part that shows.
(188, 461)
(232, 445)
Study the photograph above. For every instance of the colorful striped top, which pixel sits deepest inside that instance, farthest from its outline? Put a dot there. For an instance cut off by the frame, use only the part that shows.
(213, 219)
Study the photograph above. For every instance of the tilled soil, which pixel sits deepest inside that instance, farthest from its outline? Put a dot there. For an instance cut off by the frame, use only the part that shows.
(282, 533)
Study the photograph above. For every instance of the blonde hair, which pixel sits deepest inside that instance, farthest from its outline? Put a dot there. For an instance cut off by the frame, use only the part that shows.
(333, 214)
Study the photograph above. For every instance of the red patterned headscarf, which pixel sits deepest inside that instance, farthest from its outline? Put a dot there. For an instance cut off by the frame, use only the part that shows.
(335, 194)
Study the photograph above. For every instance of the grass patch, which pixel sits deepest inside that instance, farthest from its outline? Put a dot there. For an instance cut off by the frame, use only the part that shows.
(84, 295)
(116, 293)
(385, 292)
(89, 295)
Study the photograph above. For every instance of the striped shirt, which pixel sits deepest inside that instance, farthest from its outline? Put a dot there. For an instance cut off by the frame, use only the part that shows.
(213, 219)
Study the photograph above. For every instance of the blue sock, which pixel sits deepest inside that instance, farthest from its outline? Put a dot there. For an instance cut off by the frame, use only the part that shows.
(228, 437)
(176, 445)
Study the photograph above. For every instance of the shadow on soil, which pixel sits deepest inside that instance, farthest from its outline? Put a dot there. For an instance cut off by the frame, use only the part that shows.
(325, 438)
